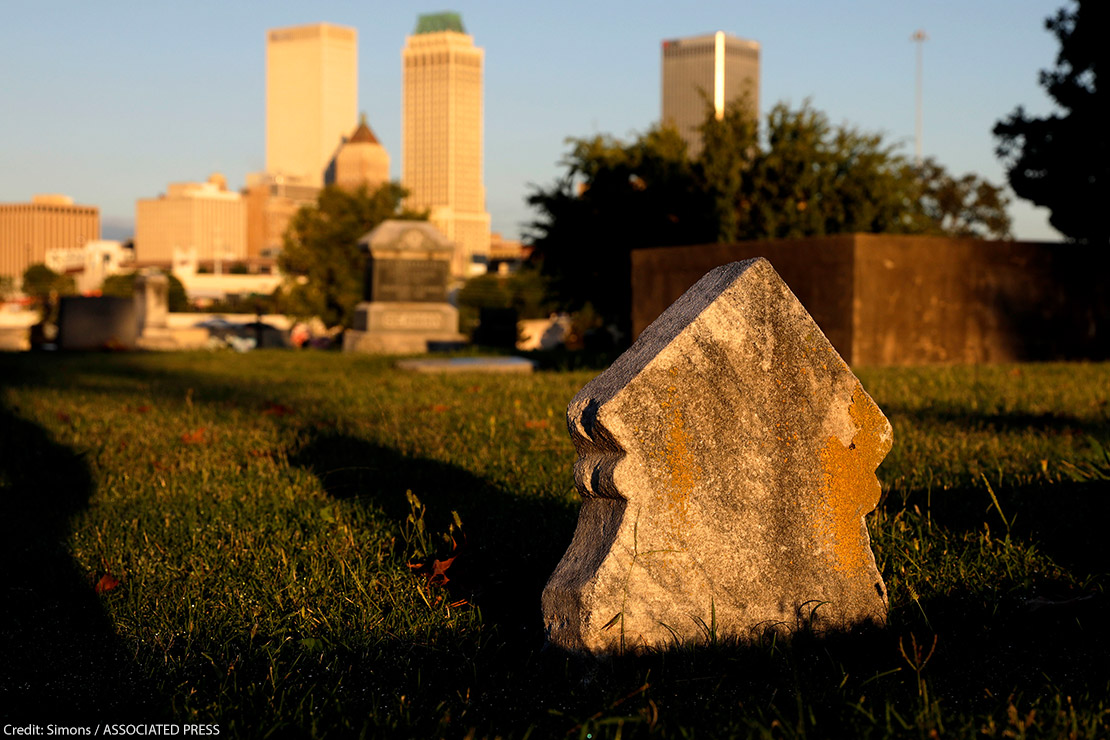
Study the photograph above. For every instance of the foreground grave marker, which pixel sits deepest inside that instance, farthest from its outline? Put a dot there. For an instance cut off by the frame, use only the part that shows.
(726, 462)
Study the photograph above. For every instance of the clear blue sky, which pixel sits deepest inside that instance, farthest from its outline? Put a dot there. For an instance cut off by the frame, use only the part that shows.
(108, 102)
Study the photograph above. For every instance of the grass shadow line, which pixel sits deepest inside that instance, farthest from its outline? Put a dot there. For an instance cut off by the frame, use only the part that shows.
(62, 656)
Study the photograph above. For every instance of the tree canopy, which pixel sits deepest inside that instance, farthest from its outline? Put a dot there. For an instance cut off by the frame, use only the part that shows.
(123, 286)
(615, 196)
(42, 284)
(804, 176)
(1062, 161)
(320, 256)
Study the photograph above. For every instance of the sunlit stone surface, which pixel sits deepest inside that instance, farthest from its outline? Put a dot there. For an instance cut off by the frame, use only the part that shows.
(726, 462)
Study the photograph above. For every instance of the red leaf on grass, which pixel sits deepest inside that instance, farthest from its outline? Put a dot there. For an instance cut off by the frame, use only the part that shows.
(436, 571)
(438, 576)
(142, 409)
(536, 424)
(106, 583)
(194, 437)
(63, 416)
(439, 408)
(277, 409)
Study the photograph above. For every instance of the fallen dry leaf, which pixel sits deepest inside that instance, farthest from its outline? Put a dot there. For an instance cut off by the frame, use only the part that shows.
(277, 409)
(536, 424)
(438, 576)
(106, 583)
(439, 408)
(194, 437)
(436, 571)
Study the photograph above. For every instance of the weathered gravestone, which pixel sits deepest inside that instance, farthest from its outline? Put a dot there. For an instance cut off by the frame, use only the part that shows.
(406, 308)
(726, 462)
(151, 294)
(91, 323)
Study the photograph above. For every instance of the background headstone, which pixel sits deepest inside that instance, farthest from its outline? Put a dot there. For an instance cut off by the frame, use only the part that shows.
(152, 299)
(89, 323)
(406, 308)
(726, 462)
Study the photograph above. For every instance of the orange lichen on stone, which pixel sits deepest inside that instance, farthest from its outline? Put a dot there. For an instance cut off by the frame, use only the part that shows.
(850, 489)
(682, 472)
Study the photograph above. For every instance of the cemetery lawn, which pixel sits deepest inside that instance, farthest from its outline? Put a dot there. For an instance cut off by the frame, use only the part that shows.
(222, 538)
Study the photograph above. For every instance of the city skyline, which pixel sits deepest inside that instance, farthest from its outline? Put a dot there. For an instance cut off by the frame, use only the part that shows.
(107, 107)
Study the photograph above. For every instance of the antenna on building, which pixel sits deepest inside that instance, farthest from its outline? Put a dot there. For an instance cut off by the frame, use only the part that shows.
(919, 37)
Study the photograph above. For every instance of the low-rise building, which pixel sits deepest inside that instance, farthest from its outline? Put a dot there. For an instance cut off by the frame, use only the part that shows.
(27, 230)
(272, 201)
(90, 264)
(205, 216)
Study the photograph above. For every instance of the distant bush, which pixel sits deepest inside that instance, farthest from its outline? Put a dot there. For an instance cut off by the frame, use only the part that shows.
(123, 286)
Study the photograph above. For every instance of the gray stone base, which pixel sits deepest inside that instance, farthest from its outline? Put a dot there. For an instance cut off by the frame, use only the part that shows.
(403, 328)
(406, 318)
(171, 339)
(397, 343)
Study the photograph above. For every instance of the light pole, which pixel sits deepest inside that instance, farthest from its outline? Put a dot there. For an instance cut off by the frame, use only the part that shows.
(919, 37)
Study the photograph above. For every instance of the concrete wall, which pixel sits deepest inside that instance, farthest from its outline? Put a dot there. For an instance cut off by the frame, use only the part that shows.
(897, 300)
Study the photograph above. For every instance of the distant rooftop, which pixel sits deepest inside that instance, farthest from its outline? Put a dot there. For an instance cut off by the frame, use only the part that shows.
(730, 38)
(363, 132)
(436, 22)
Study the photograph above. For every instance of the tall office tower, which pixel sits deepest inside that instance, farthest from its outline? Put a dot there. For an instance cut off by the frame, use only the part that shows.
(441, 125)
(27, 230)
(719, 66)
(311, 98)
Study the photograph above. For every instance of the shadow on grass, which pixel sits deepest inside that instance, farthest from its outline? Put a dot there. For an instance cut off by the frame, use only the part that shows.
(964, 419)
(835, 684)
(988, 645)
(62, 657)
(1065, 520)
(512, 543)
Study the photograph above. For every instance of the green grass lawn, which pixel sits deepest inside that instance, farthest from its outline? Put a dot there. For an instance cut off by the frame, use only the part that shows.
(229, 538)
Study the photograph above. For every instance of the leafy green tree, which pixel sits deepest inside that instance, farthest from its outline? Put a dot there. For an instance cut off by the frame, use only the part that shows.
(123, 286)
(615, 197)
(813, 179)
(321, 258)
(965, 206)
(524, 291)
(730, 145)
(43, 284)
(1062, 161)
(802, 177)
